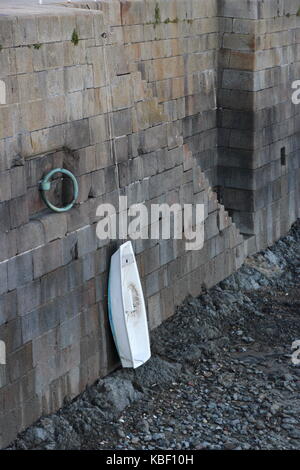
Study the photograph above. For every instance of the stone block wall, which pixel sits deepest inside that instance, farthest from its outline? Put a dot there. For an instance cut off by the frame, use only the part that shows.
(177, 54)
(137, 99)
(259, 136)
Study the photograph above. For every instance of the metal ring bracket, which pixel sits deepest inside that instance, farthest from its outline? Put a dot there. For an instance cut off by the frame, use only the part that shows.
(45, 185)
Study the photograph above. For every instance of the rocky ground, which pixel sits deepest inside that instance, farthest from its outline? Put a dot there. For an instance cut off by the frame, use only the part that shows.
(221, 375)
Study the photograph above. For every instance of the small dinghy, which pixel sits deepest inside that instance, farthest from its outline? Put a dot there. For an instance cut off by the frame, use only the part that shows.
(126, 308)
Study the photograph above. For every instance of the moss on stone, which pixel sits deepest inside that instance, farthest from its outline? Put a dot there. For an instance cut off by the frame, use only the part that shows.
(168, 20)
(75, 38)
(157, 17)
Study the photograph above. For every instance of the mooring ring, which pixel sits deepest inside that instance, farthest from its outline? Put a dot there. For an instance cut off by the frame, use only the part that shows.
(45, 185)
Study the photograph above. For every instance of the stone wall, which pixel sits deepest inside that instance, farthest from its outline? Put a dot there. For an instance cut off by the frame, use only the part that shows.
(133, 112)
(259, 138)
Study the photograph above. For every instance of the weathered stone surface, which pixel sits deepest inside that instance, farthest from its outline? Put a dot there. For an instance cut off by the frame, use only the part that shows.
(183, 102)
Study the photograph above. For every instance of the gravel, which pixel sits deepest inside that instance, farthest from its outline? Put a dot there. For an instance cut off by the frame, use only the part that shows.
(221, 375)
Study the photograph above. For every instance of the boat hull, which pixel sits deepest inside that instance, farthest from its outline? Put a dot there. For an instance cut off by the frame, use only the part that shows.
(126, 307)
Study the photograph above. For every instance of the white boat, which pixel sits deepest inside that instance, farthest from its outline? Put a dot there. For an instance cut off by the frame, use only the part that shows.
(126, 308)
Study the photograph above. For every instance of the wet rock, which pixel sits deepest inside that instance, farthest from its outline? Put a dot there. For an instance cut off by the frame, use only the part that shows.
(155, 371)
(229, 445)
(226, 379)
(116, 394)
(143, 426)
(295, 434)
(38, 436)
